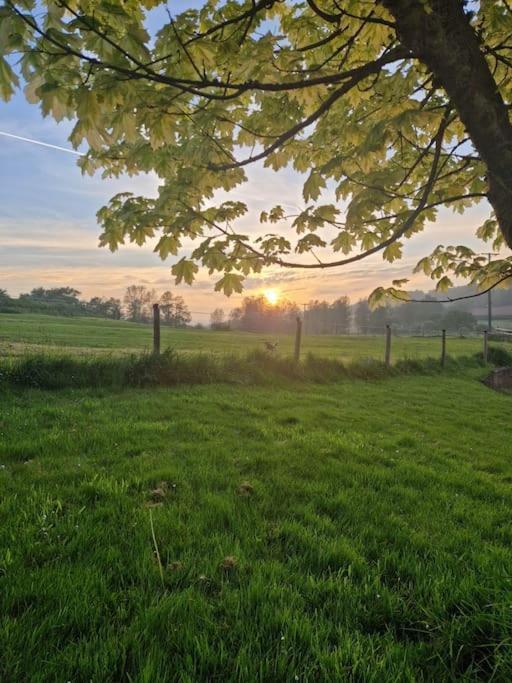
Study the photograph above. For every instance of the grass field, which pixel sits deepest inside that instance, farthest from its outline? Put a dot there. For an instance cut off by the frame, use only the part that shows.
(350, 532)
(20, 334)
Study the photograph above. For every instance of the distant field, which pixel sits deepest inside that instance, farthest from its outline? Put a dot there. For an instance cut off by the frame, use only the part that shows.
(353, 532)
(32, 333)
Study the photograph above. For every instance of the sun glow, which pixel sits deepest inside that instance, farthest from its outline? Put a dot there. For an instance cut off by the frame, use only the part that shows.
(272, 296)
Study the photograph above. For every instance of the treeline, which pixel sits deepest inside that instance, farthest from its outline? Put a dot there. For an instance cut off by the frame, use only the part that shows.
(136, 305)
(257, 314)
(413, 318)
(340, 317)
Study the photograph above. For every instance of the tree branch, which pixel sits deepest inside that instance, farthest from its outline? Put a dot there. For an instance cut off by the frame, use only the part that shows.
(407, 225)
(359, 74)
(450, 300)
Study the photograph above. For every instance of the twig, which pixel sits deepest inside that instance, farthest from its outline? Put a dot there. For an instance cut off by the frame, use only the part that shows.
(450, 300)
(157, 552)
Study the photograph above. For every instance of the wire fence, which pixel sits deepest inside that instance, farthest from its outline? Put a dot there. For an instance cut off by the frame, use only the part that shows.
(384, 343)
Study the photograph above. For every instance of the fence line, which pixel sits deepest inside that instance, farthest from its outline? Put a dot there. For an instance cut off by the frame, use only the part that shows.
(443, 336)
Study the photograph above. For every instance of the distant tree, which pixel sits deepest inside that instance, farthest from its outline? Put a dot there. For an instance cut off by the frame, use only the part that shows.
(174, 310)
(182, 315)
(6, 303)
(104, 308)
(218, 319)
(256, 314)
(67, 295)
(56, 300)
(95, 305)
(113, 308)
(235, 317)
(167, 307)
(217, 316)
(379, 318)
(341, 315)
(362, 315)
(317, 319)
(423, 316)
(136, 300)
(322, 317)
(456, 320)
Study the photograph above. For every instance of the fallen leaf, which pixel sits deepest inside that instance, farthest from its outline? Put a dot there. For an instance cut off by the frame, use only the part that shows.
(229, 563)
(245, 489)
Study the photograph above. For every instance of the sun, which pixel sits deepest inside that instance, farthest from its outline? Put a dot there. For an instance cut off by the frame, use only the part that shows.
(272, 296)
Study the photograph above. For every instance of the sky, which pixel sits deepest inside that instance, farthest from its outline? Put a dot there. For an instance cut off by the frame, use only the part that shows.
(49, 233)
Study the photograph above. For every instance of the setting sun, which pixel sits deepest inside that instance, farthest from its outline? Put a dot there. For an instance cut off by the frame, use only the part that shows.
(272, 296)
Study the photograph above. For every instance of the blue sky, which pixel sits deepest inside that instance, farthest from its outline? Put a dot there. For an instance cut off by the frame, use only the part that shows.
(49, 234)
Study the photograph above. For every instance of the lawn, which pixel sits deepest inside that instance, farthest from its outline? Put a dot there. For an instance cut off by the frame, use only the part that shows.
(357, 531)
(41, 333)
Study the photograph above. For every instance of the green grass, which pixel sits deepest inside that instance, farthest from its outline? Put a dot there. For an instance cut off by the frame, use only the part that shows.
(20, 334)
(369, 524)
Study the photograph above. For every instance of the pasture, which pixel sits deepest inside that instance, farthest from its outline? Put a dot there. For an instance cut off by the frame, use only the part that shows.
(278, 532)
(20, 334)
(350, 532)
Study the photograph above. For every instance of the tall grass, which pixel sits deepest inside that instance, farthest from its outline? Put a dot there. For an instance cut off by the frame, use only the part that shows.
(171, 368)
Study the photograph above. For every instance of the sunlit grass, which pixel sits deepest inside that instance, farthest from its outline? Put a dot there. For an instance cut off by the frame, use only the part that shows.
(30, 333)
(358, 531)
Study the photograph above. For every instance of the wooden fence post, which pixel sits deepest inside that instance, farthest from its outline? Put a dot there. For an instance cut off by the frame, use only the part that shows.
(486, 346)
(388, 346)
(298, 339)
(156, 328)
(443, 349)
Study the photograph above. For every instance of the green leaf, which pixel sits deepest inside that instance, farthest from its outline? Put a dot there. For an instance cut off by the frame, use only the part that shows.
(444, 284)
(8, 80)
(168, 244)
(344, 242)
(424, 265)
(488, 230)
(231, 282)
(313, 185)
(392, 252)
(309, 242)
(184, 270)
(377, 298)
(276, 214)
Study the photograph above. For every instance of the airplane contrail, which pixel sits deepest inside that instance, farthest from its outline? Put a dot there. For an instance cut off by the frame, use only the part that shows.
(38, 142)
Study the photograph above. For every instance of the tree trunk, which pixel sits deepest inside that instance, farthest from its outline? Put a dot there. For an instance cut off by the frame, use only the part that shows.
(444, 40)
